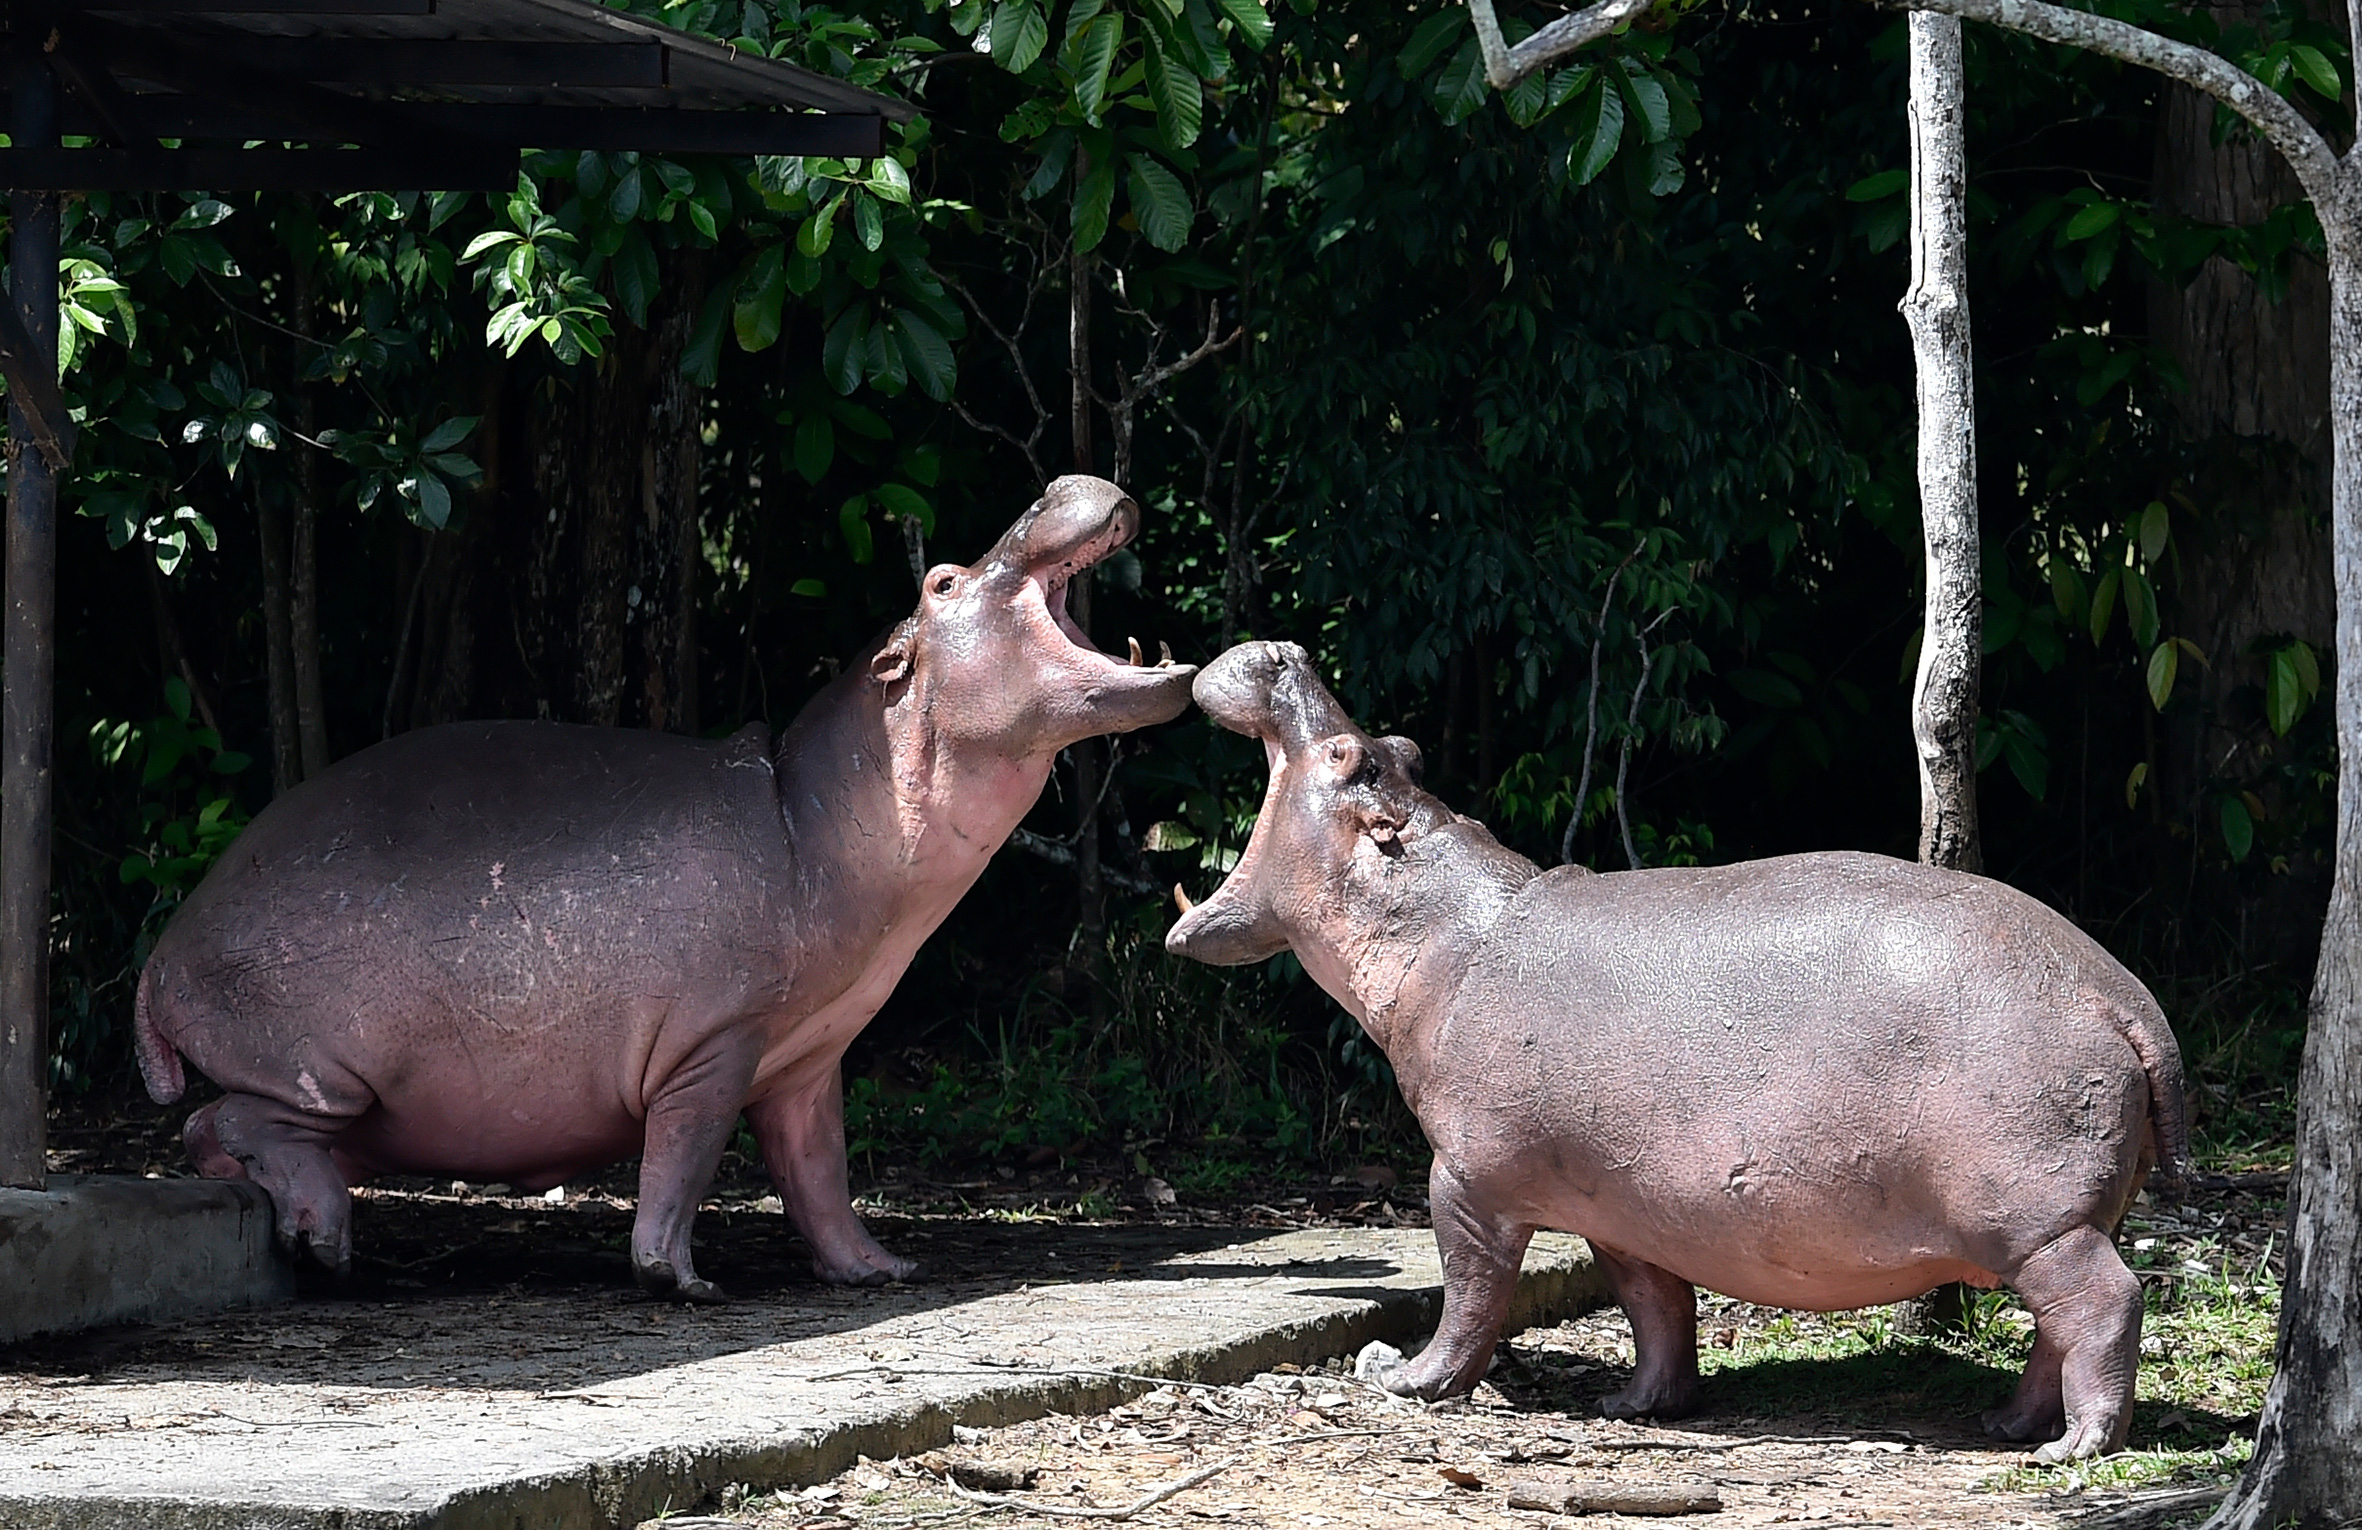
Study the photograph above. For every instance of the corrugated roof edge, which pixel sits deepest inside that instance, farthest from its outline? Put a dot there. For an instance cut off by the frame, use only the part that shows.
(819, 89)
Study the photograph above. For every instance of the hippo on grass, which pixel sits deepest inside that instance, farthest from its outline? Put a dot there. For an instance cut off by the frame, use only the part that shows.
(519, 951)
(1821, 1081)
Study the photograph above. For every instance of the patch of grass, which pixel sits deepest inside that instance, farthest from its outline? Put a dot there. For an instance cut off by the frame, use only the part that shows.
(2160, 1466)
(1210, 1175)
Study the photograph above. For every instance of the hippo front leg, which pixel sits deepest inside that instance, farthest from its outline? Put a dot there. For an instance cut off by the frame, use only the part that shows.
(802, 1132)
(690, 1120)
(1663, 1311)
(1481, 1254)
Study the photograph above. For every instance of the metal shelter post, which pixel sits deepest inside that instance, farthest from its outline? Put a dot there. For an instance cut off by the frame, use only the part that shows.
(28, 655)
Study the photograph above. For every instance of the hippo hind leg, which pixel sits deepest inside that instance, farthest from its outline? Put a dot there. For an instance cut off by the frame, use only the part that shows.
(1481, 1253)
(286, 1152)
(689, 1124)
(2087, 1345)
(1663, 1311)
(802, 1132)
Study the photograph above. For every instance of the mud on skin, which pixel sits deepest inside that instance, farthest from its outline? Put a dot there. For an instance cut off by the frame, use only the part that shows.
(1818, 1082)
(519, 951)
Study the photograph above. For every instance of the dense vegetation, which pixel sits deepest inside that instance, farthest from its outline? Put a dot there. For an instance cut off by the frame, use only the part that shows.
(1570, 429)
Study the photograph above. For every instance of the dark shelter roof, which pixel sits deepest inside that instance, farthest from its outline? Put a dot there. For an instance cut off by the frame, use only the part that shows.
(428, 94)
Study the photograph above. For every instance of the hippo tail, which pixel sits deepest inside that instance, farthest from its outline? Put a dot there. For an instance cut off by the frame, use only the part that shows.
(159, 1059)
(2169, 1112)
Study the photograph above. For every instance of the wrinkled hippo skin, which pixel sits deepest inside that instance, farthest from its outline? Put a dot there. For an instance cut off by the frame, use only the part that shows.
(1821, 1081)
(520, 951)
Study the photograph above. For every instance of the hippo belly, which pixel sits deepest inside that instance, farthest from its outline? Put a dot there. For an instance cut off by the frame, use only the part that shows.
(481, 949)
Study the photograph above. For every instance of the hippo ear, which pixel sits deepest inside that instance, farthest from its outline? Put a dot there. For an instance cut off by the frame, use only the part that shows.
(1406, 755)
(891, 663)
(1342, 755)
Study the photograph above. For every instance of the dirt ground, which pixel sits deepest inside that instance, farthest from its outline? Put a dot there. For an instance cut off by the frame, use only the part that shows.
(1841, 1420)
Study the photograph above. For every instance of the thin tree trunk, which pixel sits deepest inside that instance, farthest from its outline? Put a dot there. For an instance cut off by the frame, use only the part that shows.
(2307, 1467)
(286, 748)
(1944, 696)
(303, 615)
(176, 652)
(1090, 887)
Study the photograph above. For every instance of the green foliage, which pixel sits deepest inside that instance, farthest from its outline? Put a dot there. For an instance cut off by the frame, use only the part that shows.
(187, 815)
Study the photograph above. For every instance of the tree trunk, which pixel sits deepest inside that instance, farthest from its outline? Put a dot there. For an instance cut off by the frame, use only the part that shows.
(568, 588)
(2307, 1467)
(1090, 887)
(286, 733)
(1944, 696)
(303, 614)
(2251, 543)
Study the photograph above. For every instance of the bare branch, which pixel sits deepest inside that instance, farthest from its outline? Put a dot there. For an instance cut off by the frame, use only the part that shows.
(2269, 113)
(1033, 399)
(1504, 66)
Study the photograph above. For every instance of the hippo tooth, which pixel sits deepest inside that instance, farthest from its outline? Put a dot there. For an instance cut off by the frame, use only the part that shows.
(1137, 660)
(1182, 898)
(1164, 654)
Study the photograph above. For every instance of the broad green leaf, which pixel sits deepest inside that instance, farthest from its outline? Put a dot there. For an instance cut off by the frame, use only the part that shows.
(434, 502)
(450, 433)
(1080, 15)
(1647, 99)
(2155, 528)
(492, 239)
(1528, 99)
(1462, 87)
(853, 521)
(1253, 22)
(2103, 603)
(2066, 586)
(1434, 35)
(1179, 97)
(1094, 53)
(1877, 188)
(2094, 220)
(2315, 69)
(1093, 201)
(2132, 783)
(2291, 681)
(1599, 128)
(2164, 664)
(2140, 606)
(882, 360)
(623, 203)
(889, 180)
(816, 446)
(762, 298)
(813, 589)
(636, 276)
(868, 222)
(903, 502)
(1019, 33)
(841, 350)
(1161, 203)
(2238, 828)
(928, 355)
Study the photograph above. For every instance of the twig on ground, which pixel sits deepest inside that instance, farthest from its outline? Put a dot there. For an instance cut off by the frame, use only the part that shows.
(1145, 1501)
(2143, 1509)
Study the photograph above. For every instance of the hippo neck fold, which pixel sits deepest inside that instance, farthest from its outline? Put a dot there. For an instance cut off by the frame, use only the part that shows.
(890, 823)
(1407, 922)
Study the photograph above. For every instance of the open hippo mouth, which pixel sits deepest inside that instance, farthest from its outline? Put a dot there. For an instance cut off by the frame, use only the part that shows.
(1080, 523)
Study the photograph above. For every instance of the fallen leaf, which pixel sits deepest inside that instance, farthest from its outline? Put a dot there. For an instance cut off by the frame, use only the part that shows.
(1458, 1477)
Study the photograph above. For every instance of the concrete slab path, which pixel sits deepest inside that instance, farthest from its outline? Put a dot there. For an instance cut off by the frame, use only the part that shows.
(293, 1420)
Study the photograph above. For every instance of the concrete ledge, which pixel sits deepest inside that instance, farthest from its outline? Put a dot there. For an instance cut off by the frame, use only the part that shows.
(96, 1249)
(289, 1449)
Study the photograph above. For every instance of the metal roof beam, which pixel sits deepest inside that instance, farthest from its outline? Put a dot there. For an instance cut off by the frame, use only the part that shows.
(553, 65)
(264, 7)
(649, 130)
(478, 169)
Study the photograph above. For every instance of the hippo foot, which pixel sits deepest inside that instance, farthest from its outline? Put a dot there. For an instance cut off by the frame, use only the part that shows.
(333, 1255)
(2016, 1425)
(658, 1278)
(1641, 1400)
(891, 1272)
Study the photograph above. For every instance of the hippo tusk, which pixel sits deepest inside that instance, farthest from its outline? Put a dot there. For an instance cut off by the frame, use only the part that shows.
(1182, 898)
(1137, 660)
(1164, 655)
